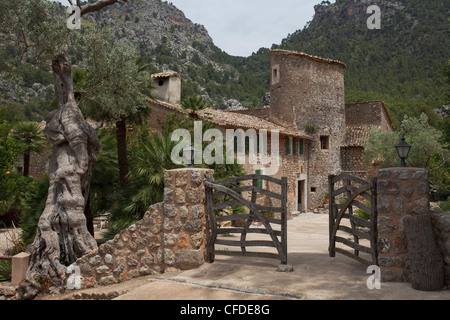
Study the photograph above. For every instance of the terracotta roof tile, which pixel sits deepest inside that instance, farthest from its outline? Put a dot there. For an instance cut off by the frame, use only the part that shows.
(234, 120)
(315, 58)
(239, 120)
(165, 75)
(355, 136)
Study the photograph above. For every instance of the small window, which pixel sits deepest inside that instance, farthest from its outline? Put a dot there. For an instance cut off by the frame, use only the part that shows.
(160, 83)
(300, 147)
(324, 142)
(275, 74)
(288, 146)
(313, 189)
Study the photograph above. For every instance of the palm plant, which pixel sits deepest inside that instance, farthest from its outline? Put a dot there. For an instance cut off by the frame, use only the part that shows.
(104, 172)
(150, 157)
(149, 164)
(194, 104)
(32, 139)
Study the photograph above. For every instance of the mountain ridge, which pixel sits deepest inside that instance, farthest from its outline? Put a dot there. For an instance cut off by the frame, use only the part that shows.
(401, 63)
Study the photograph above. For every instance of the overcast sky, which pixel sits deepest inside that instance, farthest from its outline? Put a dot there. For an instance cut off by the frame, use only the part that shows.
(240, 27)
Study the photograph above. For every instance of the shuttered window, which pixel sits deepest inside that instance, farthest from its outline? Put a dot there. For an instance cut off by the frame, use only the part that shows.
(260, 182)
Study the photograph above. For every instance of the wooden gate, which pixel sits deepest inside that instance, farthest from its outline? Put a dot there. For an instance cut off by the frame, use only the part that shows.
(219, 196)
(345, 192)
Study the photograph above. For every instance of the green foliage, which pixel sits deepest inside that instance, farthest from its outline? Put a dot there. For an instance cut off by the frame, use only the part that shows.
(379, 148)
(8, 146)
(34, 74)
(12, 185)
(150, 157)
(362, 214)
(429, 149)
(311, 128)
(444, 205)
(115, 85)
(105, 173)
(37, 28)
(33, 204)
(5, 266)
(194, 104)
(29, 136)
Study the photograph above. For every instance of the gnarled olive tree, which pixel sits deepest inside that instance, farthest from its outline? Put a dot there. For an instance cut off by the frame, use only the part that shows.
(62, 234)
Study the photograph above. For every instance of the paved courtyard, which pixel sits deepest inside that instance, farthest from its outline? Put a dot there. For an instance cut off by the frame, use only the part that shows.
(316, 276)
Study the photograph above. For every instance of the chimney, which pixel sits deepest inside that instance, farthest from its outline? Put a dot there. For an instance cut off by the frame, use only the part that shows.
(167, 87)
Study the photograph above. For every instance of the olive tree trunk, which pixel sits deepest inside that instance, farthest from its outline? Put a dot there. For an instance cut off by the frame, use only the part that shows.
(62, 235)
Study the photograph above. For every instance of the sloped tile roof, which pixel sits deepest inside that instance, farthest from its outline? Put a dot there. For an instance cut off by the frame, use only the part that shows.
(240, 120)
(311, 57)
(165, 75)
(234, 120)
(355, 136)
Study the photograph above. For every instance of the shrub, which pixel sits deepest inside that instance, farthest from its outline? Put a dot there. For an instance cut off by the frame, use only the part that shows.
(444, 205)
(33, 205)
(5, 266)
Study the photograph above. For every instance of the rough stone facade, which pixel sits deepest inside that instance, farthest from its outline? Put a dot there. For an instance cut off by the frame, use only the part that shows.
(368, 113)
(360, 118)
(172, 235)
(305, 91)
(402, 192)
(39, 162)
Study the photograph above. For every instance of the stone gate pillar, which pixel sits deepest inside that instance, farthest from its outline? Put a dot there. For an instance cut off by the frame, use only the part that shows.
(401, 192)
(185, 219)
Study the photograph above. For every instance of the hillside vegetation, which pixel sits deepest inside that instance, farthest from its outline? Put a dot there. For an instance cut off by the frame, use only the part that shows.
(405, 63)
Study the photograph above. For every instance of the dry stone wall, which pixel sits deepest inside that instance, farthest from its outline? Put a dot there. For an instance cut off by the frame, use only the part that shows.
(171, 236)
(404, 192)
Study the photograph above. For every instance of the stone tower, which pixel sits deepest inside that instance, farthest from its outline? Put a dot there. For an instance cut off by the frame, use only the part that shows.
(307, 94)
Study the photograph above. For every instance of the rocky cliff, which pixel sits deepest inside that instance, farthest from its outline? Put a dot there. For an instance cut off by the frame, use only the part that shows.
(154, 22)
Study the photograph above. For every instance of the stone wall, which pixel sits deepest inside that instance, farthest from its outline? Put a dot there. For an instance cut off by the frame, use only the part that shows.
(307, 90)
(371, 113)
(402, 192)
(171, 236)
(352, 162)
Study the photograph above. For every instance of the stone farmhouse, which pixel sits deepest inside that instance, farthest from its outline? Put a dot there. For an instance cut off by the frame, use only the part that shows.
(319, 134)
